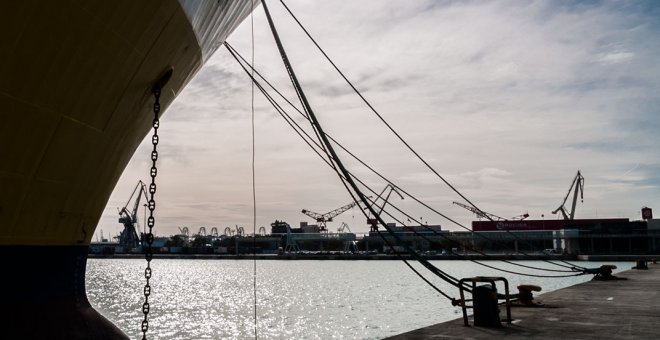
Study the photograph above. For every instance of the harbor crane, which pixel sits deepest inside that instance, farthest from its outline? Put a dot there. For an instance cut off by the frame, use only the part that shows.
(128, 238)
(350, 245)
(322, 219)
(373, 222)
(343, 227)
(578, 184)
(489, 216)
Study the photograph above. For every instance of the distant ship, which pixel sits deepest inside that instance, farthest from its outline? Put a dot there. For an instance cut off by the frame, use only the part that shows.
(75, 102)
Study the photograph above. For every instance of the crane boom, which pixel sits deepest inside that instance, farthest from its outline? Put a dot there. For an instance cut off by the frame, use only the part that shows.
(327, 217)
(480, 213)
(578, 184)
(316, 216)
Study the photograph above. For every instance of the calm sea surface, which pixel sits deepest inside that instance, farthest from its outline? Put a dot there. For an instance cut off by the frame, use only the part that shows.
(214, 299)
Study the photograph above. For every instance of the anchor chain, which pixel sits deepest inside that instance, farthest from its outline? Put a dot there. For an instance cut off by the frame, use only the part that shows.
(151, 206)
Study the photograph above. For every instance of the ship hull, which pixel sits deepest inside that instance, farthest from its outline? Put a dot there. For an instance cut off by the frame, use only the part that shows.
(75, 102)
(45, 295)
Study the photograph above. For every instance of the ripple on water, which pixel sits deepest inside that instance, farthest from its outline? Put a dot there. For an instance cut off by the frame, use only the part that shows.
(213, 299)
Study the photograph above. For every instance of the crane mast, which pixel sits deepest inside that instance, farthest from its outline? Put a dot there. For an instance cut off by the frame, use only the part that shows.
(578, 184)
(373, 222)
(128, 238)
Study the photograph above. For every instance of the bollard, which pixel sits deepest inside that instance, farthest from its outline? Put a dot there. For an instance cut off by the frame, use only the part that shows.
(525, 295)
(485, 301)
(486, 309)
(640, 264)
(604, 273)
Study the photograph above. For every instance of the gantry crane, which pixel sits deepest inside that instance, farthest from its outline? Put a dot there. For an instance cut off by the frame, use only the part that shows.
(128, 238)
(322, 219)
(489, 216)
(578, 183)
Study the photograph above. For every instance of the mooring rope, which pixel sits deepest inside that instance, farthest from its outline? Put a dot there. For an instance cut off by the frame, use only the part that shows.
(376, 112)
(306, 139)
(346, 179)
(302, 27)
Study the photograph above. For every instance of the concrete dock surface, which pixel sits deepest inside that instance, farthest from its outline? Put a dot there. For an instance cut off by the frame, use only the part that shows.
(621, 309)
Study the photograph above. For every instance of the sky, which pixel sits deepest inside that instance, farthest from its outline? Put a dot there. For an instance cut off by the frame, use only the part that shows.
(506, 100)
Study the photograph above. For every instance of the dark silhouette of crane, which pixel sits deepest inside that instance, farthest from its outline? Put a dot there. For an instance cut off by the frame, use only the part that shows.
(489, 216)
(322, 219)
(578, 183)
(128, 238)
(373, 222)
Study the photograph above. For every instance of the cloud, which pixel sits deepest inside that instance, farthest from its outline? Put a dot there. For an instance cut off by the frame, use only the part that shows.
(615, 57)
(505, 99)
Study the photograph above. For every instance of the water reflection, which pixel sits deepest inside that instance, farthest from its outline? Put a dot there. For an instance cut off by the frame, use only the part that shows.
(213, 299)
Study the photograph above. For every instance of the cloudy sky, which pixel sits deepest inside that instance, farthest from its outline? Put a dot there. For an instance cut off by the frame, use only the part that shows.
(505, 99)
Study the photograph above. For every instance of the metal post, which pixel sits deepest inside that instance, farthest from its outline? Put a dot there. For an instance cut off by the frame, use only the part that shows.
(463, 307)
(508, 301)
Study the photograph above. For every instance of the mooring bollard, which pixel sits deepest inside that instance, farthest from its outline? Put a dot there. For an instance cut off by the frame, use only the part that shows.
(525, 295)
(640, 264)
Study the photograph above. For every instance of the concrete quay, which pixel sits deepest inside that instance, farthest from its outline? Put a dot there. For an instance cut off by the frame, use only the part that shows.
(339, 256)
(621, 309)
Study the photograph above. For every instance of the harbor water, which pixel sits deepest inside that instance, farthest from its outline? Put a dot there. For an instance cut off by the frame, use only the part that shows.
(214, 299)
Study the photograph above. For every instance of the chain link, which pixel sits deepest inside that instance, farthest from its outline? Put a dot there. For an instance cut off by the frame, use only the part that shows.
(151, 221)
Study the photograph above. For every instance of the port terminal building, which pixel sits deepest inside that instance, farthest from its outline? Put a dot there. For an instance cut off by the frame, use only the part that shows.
(574, 237)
